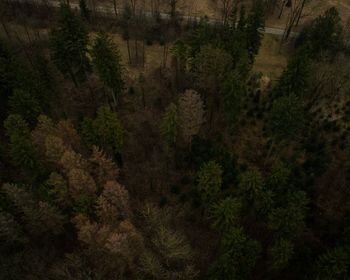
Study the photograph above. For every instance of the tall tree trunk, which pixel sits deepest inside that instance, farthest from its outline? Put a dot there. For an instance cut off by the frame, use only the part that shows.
(74, 79)
(172, 8)
(281, 10)
(28, 36)
(115, 99)
(143, 97)
(115, 8)
(300, 12)
(94, 9)
(128, 46)
(136, 52)
(5, 28)
(143, 53)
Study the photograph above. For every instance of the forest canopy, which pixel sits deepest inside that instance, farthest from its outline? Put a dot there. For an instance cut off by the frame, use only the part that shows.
(143, 143)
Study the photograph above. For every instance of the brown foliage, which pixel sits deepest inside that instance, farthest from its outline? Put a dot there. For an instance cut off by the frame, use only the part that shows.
(103, 168)
(113, 203)
(39, 217)
(80, 182)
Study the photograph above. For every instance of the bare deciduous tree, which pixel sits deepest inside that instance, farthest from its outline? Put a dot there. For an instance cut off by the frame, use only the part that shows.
(295, 13)
(191, 114)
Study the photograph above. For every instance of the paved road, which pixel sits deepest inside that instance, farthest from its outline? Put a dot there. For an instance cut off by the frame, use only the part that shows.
(108, 10)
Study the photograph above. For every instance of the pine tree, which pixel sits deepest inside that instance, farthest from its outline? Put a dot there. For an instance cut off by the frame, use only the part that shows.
(286, 118)
(172, 245)
(25, 104)
(169, 126)
(294, 79)
(21, 148)
(323, 34)
(251, 184)
(84, 10)
(237, 258)
(68, 45)
(105, 131)
(210, 181)
(281, 252)
(107, 61)
(234, 91)
(226, 213)
(288, 221)
(191, 114)
(10, 230)
(7, 77)
(255, 28)
(333, 264)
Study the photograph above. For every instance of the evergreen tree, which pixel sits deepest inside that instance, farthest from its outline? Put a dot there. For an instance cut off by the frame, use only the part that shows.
(68, 45)
(7, 77)
(324, 33)
(281, 252)
(294, 78)
(84, 10)
(25, 104)
(288, 221)
(209, 181)
(107, 61)
(255, 28)
(21, 149)
(105, 132)
(226, 213)
(234, 91)
(251, 184)
(333, 265)
(286, 119)
(169, 125)
(237, 257)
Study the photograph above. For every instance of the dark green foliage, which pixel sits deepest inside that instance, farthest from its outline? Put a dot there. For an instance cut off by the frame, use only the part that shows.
(107, 61)
(209, 181)
(234, 91)
(255, 28)
(105, 131)
(68, 45)
(324, 33)
(21, 149)
(288, 221)
(204, 150)
(237, 258)
(281, 252)
(250, 184)
(279, 177)
(333, 265)
(84, 10)
(23, 89)
(24, 103)
(169, 126)
(294, 78)
(228, 193)
(286, 119)
(226, 213)
(7, 77)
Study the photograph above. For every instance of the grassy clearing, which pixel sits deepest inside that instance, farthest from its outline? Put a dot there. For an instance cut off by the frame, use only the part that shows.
(271, 59)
